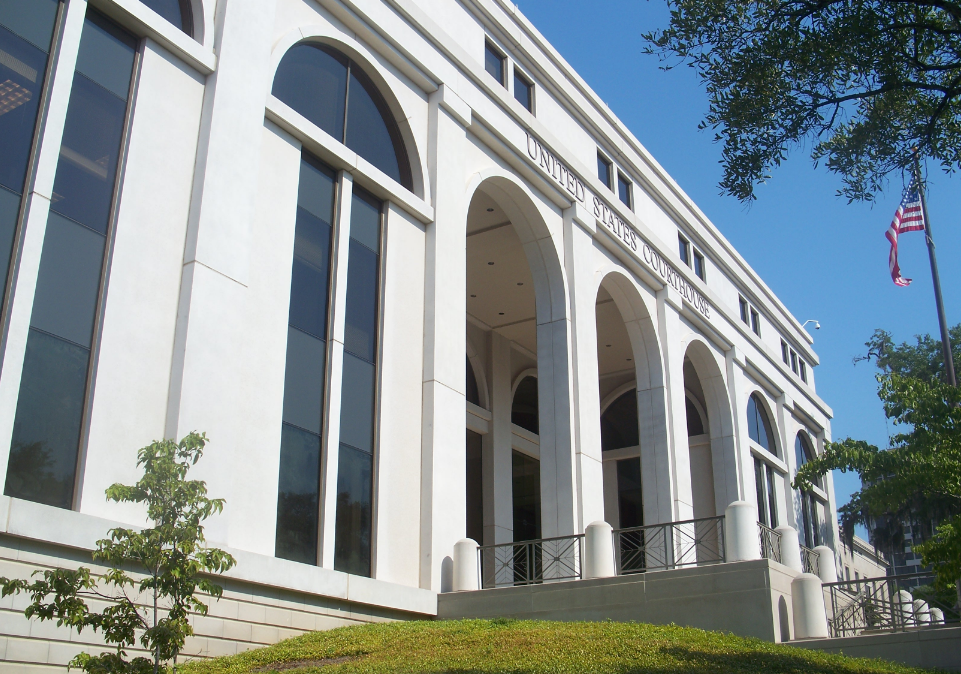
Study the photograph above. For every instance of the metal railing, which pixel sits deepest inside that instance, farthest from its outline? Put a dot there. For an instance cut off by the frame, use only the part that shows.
(810, 561)
(770, 542)
(669, 546)
(890, 604)
(530, 562)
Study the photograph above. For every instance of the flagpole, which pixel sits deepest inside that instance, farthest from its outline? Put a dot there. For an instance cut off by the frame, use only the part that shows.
(942, 321)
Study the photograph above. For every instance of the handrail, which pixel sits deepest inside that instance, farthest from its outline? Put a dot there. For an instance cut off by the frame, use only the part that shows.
(669, 545)
(770, 542)
(531, 562)
(810, 561)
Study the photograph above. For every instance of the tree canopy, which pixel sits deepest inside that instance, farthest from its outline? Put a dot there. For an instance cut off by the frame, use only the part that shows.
(860, 83)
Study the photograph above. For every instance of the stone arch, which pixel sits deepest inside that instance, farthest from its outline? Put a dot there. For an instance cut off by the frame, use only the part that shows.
(376, 71)
(529, 372)
(720, 421)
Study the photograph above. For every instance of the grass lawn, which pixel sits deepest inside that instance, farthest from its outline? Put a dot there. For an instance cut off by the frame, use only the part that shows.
(531, 647)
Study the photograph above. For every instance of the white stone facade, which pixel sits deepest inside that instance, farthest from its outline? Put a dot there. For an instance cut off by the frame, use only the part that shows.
(504, 203)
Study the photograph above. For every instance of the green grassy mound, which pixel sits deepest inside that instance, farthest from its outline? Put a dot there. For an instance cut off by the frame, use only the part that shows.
(532, 647)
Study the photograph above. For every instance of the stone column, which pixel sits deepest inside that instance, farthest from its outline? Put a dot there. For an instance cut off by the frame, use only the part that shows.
(444, 457)
(498, 468)
(738, 396)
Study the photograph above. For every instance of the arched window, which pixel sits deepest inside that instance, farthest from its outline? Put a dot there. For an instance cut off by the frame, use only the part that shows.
(177, 12)
(803, 452)
(332, 91)
(695, 424)
(524, 409)
(759, 426)
(810, 525)
(619, 423)
(473, 393)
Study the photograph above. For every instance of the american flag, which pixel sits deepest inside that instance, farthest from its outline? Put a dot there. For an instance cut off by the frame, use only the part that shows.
(909, 218)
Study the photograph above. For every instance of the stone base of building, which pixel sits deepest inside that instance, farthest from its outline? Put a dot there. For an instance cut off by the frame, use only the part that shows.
(746, 598)
(929, 648)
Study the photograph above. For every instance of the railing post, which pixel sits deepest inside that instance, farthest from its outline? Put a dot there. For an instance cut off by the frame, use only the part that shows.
(741, 532)
(466, 577)
(807, 599)
(790, 548)
(599, 551)
(827, 571)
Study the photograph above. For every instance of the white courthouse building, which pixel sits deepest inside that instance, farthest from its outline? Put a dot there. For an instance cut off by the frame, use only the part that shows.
(413, 278)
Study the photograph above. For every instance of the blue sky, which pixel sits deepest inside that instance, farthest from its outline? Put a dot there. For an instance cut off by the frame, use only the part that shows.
(824, 258)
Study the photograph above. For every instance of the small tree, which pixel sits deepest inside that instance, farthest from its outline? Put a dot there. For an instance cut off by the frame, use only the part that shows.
(171, 555)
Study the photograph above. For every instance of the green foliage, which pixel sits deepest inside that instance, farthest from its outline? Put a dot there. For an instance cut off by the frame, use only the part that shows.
(533, 647)
(917, 479)
(170, 555)
(863, 82)
(921, 360)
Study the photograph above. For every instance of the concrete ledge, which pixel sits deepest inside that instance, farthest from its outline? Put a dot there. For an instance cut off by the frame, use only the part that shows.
(930, 648)
(747, 598)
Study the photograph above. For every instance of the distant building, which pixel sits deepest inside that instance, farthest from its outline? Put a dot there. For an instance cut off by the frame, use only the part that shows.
(861, 561)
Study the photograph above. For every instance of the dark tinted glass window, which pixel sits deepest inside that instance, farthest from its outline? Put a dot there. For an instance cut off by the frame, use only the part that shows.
(33, 20)
(494, 62)
(743, 305)
(624, 190)
(695, 425)
(759, 426)
(771, 497)
(317, 82)
(684, 248)
(475, 487)
(49, 418)
(313, 81)
(176, 12)
(353, 525)
(803, 453)
(761, 493)
(619, 423)
(9, 210)
(755, 323)
(630, 504)
(604, 170)
(298, 499)
(523, 91)
(699, 265)
(524, 411)
(526, 483)
(473, 394)
(358, 393)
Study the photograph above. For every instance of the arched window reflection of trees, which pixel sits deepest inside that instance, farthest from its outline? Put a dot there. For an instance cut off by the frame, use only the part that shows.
(177, 12)
(810, 526)
(333, 91)
(524, 408)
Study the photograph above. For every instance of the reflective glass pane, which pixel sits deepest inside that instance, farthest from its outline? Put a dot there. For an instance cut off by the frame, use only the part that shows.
(771, 498)
(526, 484)
(316, 192)
(31, 19)
(22, 68)
(68, 284)
(604, 171)
(298, 501)
(86, 172)
(304, 380)
(46, 431)
(365, 221)
(367, 132)
(619, 423)
(630, 504)
(106, 55)
(475, 487)
(168, 9)
(357, 404)
(310, 275)
(360, 330)
(524, 409)
(624, 190)
(313, 82)
(9, 209)
(761, 493)
(494, 63)
(523, 92)
(352, 532)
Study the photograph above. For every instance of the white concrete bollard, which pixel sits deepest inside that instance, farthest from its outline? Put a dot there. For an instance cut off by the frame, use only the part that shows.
(937, 616)
(827, 570)
(807, 600)
(906, 608)
(741, 541)
(922, 616)
(790, 548)
(599, 551)
(466, 577)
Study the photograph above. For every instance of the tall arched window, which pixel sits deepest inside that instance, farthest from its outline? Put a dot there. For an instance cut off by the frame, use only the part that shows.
(332, 91)
(524, 408)
(177, 12)
(759, 426)
(810, 526)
